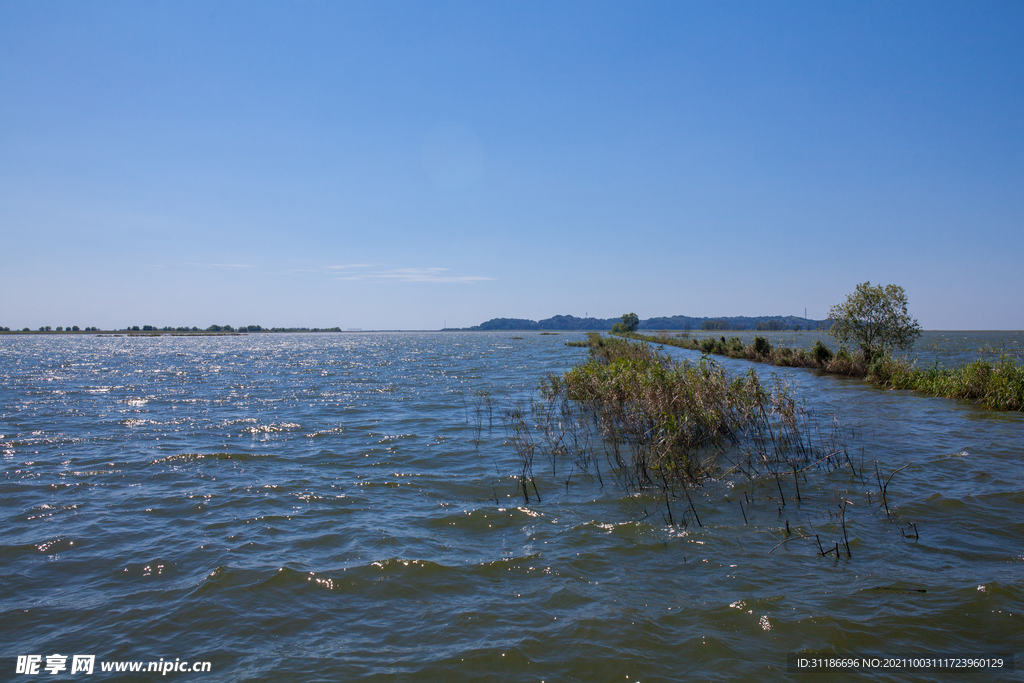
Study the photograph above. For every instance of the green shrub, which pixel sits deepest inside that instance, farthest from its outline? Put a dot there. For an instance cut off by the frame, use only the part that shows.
(882, 369)
(784, 356)
(843, 363)
(762, 346)
(735, 348)
(821, 353)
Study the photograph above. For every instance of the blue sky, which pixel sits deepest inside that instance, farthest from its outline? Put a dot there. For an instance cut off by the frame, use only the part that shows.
(402, 165)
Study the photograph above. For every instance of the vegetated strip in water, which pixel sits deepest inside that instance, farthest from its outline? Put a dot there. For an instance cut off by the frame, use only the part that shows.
(997, 386)
(669, 427)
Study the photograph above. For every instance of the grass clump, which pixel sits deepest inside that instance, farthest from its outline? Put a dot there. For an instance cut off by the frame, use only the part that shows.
(821, 353)
(998, 386)
(762, 347)
(665, 424)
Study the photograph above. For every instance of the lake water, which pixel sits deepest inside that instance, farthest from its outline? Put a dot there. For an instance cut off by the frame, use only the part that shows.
(340, 507)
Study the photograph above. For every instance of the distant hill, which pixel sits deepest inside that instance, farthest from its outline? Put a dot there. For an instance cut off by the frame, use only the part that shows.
(675, 322)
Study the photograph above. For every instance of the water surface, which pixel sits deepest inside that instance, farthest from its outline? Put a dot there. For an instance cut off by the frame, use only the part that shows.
(344, 507)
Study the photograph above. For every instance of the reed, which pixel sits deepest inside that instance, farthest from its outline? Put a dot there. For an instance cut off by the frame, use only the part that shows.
(668, 425)
(519, 433)
(819, 356)
(667, 428)
(997, 386)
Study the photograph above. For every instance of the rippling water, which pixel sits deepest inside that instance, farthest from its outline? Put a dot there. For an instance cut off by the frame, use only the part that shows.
(343, 507)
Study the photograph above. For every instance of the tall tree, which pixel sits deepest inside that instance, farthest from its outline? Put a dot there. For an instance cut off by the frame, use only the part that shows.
(875, 318)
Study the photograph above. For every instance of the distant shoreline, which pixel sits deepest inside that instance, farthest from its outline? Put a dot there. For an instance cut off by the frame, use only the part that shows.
(566, 323)
(204, 333)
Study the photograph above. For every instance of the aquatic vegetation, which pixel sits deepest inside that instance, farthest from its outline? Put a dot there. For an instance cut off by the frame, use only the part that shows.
(665, 425)
(762, 347)
(997, 386)
(846, 363)
(663, 429)
(821, 353)
(819, 356)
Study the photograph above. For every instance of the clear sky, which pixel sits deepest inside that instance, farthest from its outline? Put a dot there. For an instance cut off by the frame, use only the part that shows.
(400, 165)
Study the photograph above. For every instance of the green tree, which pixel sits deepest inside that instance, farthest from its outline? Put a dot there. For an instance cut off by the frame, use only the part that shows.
(875, 318)
(630, 322)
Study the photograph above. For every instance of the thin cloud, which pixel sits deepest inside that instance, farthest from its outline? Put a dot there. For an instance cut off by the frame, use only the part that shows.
(222, 265)
(415, 275)
(426, 275)
(355, 265)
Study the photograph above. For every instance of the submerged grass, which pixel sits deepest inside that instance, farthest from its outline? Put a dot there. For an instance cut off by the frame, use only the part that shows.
(997, 386)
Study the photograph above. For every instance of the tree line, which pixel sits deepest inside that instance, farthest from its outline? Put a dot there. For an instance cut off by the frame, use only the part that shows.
(676, 322)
